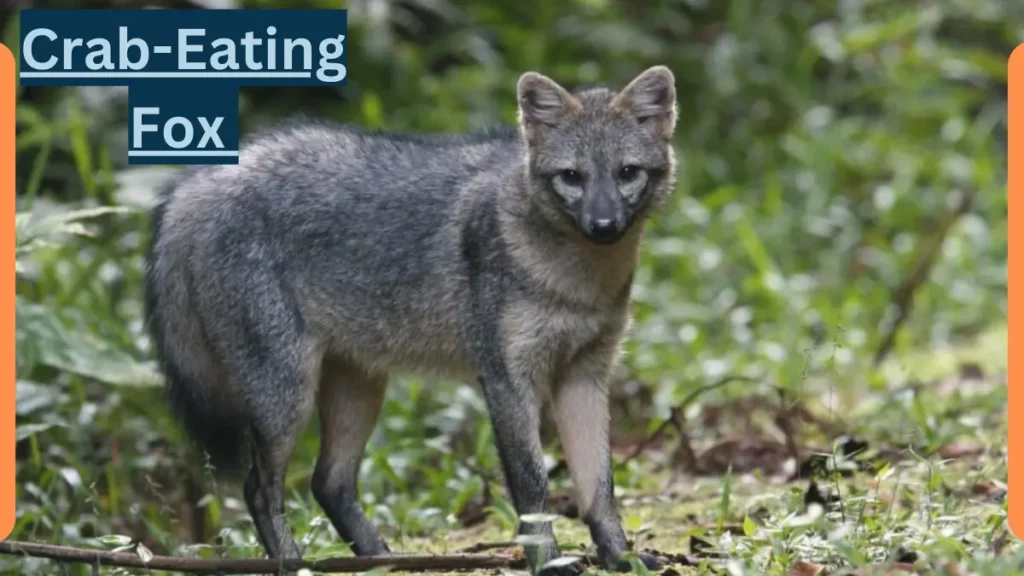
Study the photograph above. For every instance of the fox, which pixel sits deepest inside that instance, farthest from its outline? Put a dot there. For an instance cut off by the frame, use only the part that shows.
(331, 258)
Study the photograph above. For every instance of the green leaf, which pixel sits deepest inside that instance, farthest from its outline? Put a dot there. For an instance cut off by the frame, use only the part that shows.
(531, 540)
(538, 518)
(723, 503)
(504, 508)
(26, 430)
(749, 528)
(78, 351)
(561, 561)
(30, 228)
(639, 568)
(114, 540)
(143, 552)
(81, 151)
(32, 396)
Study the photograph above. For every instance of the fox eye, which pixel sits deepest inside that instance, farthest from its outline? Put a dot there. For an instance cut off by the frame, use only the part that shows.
(628, 173)
(571, 177)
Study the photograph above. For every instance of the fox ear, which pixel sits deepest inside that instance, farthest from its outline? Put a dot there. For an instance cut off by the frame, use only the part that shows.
(542, 102)
(651, 99)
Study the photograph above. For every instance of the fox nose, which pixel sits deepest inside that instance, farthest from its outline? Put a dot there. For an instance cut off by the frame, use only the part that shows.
(604, 230)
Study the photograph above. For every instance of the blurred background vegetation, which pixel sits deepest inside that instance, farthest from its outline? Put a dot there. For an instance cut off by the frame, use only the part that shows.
(837, 156)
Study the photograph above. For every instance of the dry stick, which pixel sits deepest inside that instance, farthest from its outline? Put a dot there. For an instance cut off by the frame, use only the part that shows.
(782, 420)
(683, 457)
(673, 420)
(684, 452)
(678, 410)
(399, 562)
(903, 296)
(485, 546)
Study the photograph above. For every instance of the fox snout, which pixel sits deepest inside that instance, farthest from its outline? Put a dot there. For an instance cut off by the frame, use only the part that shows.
(603, 218)
(603, 230)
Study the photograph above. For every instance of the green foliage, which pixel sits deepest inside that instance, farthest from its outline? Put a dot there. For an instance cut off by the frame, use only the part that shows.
(821, 143)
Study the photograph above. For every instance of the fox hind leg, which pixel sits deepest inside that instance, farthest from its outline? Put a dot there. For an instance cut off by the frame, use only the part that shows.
(275, 371)
(264, 495)
(280, 403)
(276, 427)
(350, 402)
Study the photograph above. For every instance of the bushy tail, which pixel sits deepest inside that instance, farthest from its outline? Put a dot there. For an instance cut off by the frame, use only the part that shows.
(222, 434)
(195, 385)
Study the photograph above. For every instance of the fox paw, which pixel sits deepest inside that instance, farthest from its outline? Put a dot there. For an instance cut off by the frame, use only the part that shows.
(562, 566)
(651, 561)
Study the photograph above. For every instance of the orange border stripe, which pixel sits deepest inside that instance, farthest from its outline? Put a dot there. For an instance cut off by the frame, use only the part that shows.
(7, 300)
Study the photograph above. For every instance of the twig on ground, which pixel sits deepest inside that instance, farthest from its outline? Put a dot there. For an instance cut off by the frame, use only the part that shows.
(785, 424)
(903, 296)
(409, 563)
(675, 420)
(676, 415)
(684, 455)
(485, 546)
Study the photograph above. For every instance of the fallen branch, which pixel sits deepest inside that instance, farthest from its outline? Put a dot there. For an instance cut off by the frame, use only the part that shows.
(920, 270)
(485, 546)
(676, 414)
(674, 420)
(409, 563)
(782, 420)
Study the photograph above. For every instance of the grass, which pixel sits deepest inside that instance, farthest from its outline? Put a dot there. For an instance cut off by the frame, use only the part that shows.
(934, 511)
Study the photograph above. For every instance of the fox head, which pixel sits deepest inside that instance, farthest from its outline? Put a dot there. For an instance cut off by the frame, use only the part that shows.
(599, 161)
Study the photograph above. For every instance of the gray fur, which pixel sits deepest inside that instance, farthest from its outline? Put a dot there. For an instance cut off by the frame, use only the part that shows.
(330, 258)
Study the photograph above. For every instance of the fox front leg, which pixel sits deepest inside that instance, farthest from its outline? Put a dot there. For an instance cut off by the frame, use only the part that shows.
(582, 417)
(516, 423)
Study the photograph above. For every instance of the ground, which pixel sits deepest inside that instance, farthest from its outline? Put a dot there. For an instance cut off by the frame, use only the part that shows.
(901, 509)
